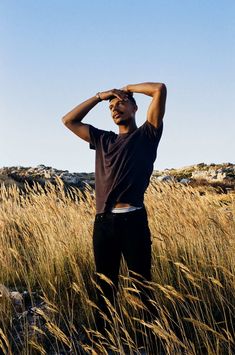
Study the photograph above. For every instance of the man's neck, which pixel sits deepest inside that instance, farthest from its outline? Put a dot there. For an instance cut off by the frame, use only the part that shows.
(127, 129)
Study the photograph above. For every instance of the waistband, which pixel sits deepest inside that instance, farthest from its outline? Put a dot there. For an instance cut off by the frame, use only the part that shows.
(125, 209)
(111, 215)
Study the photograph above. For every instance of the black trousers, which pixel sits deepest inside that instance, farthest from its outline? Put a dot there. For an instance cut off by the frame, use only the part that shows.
(117, 234)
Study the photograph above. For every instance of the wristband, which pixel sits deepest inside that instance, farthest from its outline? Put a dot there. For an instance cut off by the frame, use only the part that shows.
(98, 96)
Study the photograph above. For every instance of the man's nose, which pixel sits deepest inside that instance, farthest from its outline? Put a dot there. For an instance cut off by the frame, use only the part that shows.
(115, 106)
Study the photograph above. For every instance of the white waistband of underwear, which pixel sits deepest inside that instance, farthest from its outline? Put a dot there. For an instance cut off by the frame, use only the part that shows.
(125, 209)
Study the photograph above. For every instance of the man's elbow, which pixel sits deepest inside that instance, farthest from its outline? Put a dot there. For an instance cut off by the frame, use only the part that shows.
(160, 89)
(65, 120)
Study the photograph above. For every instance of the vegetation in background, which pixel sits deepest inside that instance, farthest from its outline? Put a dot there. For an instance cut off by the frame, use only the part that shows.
(46, 250)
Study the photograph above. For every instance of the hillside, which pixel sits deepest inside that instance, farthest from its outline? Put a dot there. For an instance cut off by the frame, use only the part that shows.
(218, 176)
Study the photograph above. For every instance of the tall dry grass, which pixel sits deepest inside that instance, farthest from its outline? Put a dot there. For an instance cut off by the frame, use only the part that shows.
(46, 249)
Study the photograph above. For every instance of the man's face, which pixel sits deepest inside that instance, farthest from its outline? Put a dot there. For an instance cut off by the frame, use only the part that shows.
(122, 111)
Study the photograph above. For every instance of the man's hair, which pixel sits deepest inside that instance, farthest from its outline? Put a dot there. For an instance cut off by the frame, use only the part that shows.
(129, 96)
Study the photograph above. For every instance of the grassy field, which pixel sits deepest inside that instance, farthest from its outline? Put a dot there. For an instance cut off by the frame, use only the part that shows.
(46, 250)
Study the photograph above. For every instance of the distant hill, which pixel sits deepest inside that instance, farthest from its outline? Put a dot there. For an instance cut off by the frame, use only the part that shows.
(217, 176)
(220, 176)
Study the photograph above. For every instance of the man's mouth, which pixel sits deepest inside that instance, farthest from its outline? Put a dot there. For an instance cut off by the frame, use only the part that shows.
(118, 114)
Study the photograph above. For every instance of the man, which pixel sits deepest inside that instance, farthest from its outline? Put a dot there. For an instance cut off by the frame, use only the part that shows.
(124, 163)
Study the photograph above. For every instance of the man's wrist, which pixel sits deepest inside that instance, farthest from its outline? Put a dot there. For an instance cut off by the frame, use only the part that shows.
(126, 88)
(98, 96)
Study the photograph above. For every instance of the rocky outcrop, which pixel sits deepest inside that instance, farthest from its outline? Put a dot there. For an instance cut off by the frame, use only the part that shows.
(221, 176)
(30, 316)
(42, 174)
(212, 172)
(215, 174)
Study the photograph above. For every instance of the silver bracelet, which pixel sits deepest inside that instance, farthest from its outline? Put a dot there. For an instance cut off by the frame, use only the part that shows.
(98, 96)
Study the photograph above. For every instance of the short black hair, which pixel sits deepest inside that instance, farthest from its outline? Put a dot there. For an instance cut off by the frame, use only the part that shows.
(129, 96)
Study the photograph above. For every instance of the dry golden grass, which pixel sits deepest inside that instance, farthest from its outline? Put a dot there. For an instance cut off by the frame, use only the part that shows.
(46, 247)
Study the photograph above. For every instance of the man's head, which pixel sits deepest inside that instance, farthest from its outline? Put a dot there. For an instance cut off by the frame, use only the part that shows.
(123, 111)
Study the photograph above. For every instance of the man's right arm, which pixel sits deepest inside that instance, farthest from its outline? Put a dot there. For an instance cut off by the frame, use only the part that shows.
(72, 119)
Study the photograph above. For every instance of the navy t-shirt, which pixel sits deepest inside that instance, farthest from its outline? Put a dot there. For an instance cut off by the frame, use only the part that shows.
(124, 164)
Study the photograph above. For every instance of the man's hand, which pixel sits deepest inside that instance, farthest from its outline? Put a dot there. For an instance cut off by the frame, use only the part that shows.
(120, 94)
(125, 89)
(158, 93)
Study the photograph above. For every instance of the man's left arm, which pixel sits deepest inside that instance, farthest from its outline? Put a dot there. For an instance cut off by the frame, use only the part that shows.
(158, 93)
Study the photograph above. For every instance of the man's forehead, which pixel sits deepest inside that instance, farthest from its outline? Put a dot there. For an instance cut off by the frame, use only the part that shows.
(116, 99)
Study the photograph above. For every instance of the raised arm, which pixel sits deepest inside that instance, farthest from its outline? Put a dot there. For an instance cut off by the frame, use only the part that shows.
(72, 119)
(158, 93)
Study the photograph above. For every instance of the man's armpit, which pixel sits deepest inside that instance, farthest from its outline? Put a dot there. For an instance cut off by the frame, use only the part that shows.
(91, 146)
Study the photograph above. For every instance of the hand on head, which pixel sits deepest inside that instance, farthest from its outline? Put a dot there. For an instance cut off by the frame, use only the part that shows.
(120, 94)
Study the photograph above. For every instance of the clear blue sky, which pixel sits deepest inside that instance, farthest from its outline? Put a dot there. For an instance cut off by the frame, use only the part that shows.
(55, 54)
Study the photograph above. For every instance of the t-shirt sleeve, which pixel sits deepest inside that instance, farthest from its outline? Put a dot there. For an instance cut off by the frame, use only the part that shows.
(95, 136)
(152, 133)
